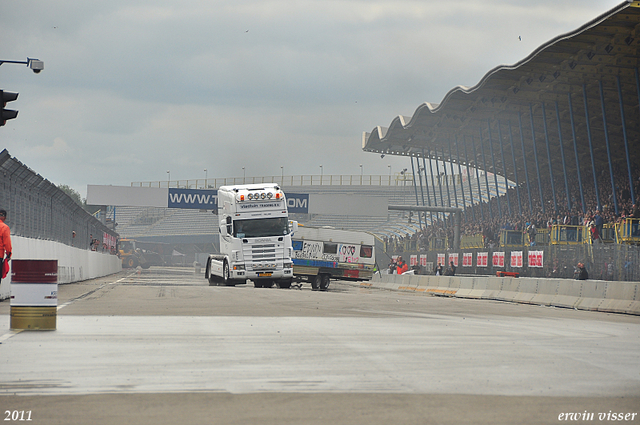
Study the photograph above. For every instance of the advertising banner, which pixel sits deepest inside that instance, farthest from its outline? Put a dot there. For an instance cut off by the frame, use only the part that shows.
(413, 260)
(467, 259)
(516, 258)
(423, 260)
(536, 258)
(498, 259)
(441, 258)
(453, 257)
(482, 259)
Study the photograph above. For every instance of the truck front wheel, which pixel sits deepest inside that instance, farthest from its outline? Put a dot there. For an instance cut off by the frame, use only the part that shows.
(284, 284)
(226, 274)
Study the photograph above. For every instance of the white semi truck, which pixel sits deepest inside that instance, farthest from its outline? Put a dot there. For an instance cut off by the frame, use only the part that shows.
(255, 237)
(323, 253)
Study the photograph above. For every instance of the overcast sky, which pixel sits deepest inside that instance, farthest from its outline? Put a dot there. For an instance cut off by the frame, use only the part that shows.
(132, 89)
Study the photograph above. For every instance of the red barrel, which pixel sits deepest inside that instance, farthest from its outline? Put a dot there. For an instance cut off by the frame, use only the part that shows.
(34, 294)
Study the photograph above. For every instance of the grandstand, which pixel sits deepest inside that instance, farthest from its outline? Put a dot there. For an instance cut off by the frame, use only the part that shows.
(183, 226)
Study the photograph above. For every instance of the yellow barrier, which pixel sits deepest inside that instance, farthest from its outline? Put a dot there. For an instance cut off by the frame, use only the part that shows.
(629, 231)
(562, 234)
(511, 238)
(470, 242)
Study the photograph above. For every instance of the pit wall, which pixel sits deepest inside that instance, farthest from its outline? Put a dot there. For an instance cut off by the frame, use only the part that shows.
(74, 264)
(595, 295)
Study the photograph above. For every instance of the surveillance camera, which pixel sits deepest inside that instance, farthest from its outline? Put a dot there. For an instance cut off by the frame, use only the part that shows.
(36, 65)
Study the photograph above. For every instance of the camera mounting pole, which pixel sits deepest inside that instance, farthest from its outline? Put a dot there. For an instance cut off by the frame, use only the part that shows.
(35, 64)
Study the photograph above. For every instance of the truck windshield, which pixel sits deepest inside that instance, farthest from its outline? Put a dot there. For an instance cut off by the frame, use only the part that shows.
(261, 227)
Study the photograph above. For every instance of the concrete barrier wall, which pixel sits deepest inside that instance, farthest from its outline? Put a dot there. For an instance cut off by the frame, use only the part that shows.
(74, 264)
(597, 295)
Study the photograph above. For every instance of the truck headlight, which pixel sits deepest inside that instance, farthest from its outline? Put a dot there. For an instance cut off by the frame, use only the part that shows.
(288, 265)
(238, 267)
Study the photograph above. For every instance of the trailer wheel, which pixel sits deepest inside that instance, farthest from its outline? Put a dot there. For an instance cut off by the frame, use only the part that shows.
(315, 283)
(324, 282)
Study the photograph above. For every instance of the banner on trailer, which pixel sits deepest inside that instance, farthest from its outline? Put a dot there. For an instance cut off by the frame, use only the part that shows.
(467, 259)
(482, 259)
(536, 258)
(516, 258)
(498, 259)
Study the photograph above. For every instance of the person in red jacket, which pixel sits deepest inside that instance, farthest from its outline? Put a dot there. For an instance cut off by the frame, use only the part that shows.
(402, 266)
(5, 241)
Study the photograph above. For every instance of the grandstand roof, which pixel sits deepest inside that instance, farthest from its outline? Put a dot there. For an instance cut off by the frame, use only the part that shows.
(548, 90)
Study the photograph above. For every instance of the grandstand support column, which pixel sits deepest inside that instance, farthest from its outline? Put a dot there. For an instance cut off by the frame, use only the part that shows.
(466, 159)
(415, 187)
(504, 169)
(486, 178)
(421, 188)
(457, 218)
(564, 164)
(624, 136)
(475, 165)
(433, 185)
(606, 140)
(593, 162)
(546, 140)
(464, 202)
(524, 158)
(446, 178)
(453, 176)
(515, 169)
(495, 170)
(575, 150)
(535, 156)
(426, 183)
(439, 179)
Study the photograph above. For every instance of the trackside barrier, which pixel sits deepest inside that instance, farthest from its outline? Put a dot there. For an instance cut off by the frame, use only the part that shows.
(594, 295)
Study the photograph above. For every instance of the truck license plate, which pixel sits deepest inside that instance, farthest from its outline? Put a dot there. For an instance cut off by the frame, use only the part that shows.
(264, 274)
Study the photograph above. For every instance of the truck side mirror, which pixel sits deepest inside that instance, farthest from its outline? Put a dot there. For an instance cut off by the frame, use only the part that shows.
(293, 226)
(223, 228)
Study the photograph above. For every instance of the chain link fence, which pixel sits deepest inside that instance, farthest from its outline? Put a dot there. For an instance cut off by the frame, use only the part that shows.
(37, 209)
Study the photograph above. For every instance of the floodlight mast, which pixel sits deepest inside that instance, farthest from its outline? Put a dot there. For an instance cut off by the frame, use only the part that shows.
(36, 65)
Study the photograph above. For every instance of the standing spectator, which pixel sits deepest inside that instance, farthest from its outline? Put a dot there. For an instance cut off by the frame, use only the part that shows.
(5, 242)
(581, 272)
(439, 269)
(402, 266)
(599, 221)
(451, 271)
(595, 235)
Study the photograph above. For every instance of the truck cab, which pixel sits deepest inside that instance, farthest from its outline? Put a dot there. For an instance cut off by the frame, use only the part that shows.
(255, 237)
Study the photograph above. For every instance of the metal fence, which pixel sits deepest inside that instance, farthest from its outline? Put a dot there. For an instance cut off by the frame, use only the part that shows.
(37, 209)
(618, 262)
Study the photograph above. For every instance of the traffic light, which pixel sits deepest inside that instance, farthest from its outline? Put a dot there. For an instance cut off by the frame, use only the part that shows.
(7, 114)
